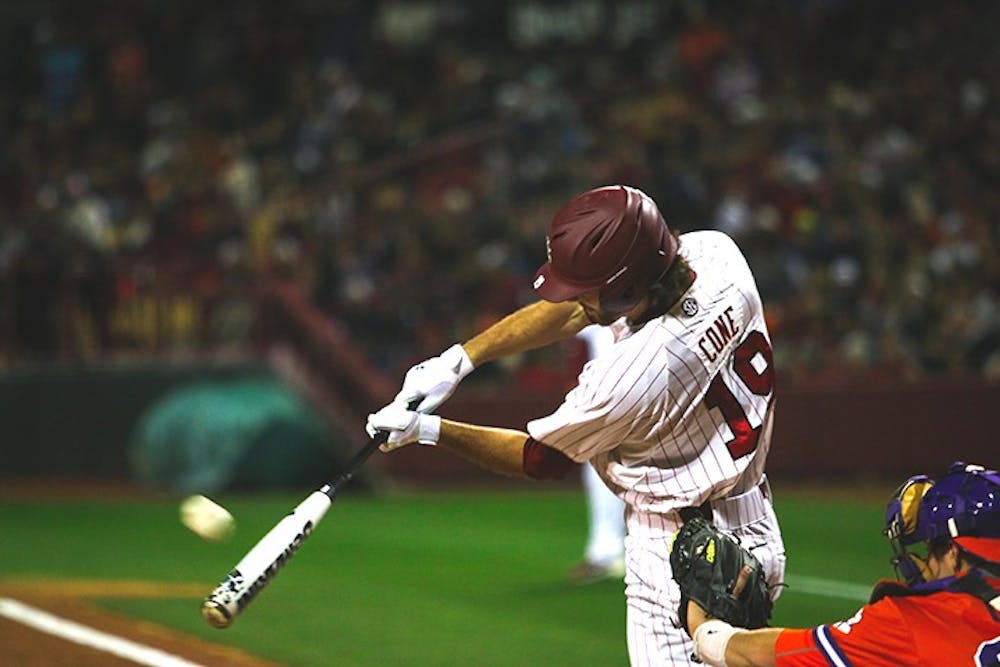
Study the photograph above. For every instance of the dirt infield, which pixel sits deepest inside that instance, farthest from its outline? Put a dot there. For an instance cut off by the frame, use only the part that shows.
(27, 646)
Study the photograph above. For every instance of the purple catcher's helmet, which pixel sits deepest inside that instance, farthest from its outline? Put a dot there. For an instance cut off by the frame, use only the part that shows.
(962, 505)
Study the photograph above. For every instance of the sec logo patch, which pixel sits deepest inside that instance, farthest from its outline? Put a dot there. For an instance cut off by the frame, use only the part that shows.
(689, 307)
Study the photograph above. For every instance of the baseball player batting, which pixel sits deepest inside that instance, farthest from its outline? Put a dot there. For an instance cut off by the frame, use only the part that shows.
(675, 416)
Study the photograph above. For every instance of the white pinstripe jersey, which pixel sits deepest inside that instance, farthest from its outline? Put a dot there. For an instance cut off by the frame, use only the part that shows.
(678, 411)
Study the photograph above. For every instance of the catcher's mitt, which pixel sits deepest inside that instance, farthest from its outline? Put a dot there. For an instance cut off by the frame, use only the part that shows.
(706, 564)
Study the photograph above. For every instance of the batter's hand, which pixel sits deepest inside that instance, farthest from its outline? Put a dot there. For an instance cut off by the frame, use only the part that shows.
(404, 426)
(433, 381)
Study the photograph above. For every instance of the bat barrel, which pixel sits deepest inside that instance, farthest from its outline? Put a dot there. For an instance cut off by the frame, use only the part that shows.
(270, 554)
(263, 562)
(216, 614)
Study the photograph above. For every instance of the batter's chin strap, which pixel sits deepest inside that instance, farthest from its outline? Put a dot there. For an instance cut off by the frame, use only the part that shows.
(972, 583)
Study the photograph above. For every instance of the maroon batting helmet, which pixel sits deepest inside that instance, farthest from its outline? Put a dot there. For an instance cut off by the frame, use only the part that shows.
(612, 238)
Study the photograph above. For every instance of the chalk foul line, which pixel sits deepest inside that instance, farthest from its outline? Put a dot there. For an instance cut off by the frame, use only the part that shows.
(830, 588)
(86, 636)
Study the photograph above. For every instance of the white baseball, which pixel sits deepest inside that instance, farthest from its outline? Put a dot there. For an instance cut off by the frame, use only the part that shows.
(207, 519)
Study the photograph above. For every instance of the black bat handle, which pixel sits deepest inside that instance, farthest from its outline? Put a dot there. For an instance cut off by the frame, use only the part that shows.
(359, 459)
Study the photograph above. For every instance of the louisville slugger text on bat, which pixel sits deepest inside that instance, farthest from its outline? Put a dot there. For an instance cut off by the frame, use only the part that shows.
(259, 566)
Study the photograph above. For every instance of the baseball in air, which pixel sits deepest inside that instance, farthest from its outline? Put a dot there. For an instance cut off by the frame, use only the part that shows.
(207, 519)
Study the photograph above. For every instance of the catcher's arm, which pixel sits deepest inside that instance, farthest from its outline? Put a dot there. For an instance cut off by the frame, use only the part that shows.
(744, 648)
(723, 590)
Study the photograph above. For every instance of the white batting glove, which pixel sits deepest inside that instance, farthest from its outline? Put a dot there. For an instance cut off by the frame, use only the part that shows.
(404, 426)
(433, 381)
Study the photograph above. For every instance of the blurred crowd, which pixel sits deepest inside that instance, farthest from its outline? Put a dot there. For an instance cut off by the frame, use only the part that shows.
(399, 161)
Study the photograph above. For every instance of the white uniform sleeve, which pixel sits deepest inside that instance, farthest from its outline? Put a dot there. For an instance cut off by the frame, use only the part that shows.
(597, 338)
(590, 419)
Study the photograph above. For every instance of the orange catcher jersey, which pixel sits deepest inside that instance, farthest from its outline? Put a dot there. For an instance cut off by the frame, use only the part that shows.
(943, 629)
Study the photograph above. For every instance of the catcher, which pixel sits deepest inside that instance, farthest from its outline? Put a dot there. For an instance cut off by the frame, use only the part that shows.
(946, 613)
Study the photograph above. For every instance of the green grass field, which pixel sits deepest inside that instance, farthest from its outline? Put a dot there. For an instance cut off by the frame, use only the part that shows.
(422, 579)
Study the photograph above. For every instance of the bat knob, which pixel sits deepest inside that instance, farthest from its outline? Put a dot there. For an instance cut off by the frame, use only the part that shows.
(215, 614)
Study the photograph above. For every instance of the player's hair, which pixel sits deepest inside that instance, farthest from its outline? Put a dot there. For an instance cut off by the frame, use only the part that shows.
(971, 561)
(939, 546)
(668, 290)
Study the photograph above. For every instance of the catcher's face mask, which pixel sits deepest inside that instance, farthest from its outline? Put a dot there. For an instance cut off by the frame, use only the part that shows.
(903, 530)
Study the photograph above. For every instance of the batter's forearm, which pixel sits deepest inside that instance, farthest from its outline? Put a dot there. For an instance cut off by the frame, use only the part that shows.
(533, 326)
(497, 449)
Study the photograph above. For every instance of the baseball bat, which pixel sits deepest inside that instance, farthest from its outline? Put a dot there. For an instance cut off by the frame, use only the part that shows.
(260, 565)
